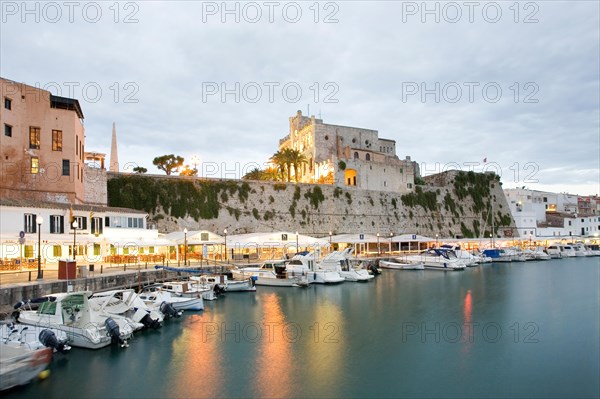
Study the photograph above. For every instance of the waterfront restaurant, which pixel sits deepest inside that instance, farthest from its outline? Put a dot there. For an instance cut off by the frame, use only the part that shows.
(88, 233)
(274, 245)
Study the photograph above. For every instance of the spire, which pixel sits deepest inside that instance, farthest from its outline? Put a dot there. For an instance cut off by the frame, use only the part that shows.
(114, 154)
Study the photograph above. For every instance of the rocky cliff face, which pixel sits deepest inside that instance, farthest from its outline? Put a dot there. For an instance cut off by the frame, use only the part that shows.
(450, 204)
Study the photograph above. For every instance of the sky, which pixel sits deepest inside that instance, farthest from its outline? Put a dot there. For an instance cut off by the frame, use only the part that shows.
(506, 86)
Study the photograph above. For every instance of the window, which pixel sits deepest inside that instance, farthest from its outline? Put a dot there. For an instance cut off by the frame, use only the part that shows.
(7, 103)
(28, 251)
(96, 249)
(356, 155)
(57, 224)
(7, 130)
(76, 145)
(57, 251)
(57, 140)
(29, 225)
(81, 222)
(368, 157)
(34, 138)
(107, 221)
(66, 167)
(96, 226)
(35, 165)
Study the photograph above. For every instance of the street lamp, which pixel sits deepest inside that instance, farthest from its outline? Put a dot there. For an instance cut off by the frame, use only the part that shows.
(185, 247)
(40, 220)
(330, 233)
(297, 250)
(391, 235)
(225, 233)
(378, 246)
(75, 226)
(436, 240)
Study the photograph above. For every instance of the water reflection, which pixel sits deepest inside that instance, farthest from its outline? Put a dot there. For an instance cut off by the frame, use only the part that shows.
(467, 319)
(274, 357)
(197, 357)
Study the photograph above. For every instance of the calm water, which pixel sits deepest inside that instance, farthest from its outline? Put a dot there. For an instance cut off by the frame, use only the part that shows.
(502, 330)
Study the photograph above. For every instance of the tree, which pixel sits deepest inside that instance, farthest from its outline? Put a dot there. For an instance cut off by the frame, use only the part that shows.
(280, 162)
(296, 159)
(140, 169)
(187, 171)
(168, 163)
(254, 174)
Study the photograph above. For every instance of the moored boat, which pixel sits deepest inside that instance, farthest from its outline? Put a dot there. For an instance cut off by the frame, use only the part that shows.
(71, 312)
(400, 265)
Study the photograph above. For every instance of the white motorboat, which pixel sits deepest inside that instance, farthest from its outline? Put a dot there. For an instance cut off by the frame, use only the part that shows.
(155, 294)
(190, 289)
(580, 249)
(127, 303)
(554, 251)
(71, 312)
(339, 262)
(467, 257)
(223, 284)
(19, 364)
(271, 273)
(33, 337)
(304, 264)
(399, 265)
(567, 251)
(434, 258)
(504, 255)
(535, 254)
(593, 249)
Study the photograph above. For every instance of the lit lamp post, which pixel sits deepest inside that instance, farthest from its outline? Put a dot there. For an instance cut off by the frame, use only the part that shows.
(378, 246)
(225, 233)
(40, 220)
(185, 247)
(297, 250)
(75, 226)
(330, 247)
(391, 235)
(436, 240)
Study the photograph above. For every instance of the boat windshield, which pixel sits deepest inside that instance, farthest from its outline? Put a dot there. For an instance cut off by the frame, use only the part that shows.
(73, 301)
(48, 308)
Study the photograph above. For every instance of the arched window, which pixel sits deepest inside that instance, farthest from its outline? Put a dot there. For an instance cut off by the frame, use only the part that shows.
(356, 155)
(368, 157)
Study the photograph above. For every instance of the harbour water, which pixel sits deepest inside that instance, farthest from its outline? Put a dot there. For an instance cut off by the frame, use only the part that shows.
(498, 330)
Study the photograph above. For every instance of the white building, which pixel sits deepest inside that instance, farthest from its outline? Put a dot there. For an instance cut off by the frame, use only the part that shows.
(101, 232)
(545, 214)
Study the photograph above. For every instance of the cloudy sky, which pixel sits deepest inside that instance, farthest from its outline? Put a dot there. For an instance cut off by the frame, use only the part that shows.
(453, 83)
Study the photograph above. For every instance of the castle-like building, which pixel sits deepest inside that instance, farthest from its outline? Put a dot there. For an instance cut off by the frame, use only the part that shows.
(348, 156)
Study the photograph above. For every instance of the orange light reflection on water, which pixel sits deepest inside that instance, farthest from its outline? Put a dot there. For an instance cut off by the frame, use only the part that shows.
(468, 330)
(197, 357)
(274, 362)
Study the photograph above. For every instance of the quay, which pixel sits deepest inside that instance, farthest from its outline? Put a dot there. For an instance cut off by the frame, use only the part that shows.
(19, 285)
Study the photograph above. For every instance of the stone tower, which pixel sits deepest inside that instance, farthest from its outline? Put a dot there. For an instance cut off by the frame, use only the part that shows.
(114, 153)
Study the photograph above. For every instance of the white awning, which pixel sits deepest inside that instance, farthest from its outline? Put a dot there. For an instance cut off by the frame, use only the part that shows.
(196, 237)
(279, 239)
(356, 238)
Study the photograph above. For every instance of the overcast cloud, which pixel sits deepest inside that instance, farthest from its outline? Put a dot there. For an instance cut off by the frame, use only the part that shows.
(369, 68)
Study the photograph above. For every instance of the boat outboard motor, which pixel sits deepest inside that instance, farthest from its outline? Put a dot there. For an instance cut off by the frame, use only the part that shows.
(218, 290)
(49, 340)
(169, 310)
(113, 331)
(149, 322)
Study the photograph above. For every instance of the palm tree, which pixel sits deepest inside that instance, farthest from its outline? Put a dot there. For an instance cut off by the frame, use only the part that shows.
(296, 159)
(279, 159)
(255, 174)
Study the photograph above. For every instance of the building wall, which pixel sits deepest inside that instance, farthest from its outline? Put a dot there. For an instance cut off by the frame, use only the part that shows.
(271, 206)
(325, 145)
(95, 185)
(31, 107)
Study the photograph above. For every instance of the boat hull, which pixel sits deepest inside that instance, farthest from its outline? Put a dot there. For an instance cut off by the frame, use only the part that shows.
(400, 266)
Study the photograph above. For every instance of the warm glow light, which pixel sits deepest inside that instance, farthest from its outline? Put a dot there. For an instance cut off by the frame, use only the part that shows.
(75, 224)
(39, 220)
